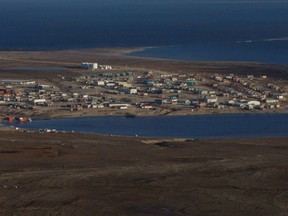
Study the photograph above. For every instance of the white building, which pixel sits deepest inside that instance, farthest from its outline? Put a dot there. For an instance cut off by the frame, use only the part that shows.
(211, 99)
(89, 66)
(39, 101)
(99, 83)
(254, 103)
(105, 67)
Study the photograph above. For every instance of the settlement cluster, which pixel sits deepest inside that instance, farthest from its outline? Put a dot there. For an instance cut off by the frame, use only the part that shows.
(104, 87)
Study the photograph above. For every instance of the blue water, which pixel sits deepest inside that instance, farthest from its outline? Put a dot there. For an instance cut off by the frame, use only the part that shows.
(200, 29)
(275, 52)
(198, 126)
(39, 68)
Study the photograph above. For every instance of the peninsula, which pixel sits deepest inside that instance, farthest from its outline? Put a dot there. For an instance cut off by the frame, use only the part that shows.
(95, 82)
(87, 174)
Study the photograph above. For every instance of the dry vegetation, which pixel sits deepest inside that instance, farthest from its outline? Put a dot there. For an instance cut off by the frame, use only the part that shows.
(81, 174)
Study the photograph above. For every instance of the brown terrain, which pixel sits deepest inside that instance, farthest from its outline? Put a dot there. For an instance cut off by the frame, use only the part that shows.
(84, 174)
(118, 58)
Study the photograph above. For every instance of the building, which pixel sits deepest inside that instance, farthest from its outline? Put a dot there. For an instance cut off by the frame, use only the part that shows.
(89, 66)
(39, 101)
(17, 82)
(128, 91)
(253, 103)
(190, 83)
(161, 101)
(211, 100)
(105, 67)
(271, 100)
(124, 84)
(99, 83)
(118, 105)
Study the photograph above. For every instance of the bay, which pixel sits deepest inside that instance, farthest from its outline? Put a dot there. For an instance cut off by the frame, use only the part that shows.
(236, 30)
(195, 126)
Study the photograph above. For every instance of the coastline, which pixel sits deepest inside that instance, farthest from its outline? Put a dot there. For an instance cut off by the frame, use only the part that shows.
(190, 127)
(91, 172)
(241, 112)
(117, 57)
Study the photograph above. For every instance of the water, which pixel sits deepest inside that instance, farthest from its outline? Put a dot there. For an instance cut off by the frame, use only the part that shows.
(184, 29)
(197, 126)
(38, 68)
(274, 52)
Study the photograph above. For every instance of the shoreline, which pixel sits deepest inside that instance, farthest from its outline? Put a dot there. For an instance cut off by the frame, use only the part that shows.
(221, 134)
(83, 173)
(128, 52)
(282, 112)
(118, 58)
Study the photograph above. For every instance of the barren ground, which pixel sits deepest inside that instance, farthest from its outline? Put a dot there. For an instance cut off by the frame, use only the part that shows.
(82, 174)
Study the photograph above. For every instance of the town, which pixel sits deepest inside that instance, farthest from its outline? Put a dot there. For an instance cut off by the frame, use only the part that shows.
(105, 90)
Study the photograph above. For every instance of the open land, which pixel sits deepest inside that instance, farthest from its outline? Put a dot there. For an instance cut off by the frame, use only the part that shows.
(124, 84)
(84, 174)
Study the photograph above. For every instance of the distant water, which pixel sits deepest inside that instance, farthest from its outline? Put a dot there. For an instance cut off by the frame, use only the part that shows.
(239, 30)
(38, 68)
(274, 52)
(201, 126)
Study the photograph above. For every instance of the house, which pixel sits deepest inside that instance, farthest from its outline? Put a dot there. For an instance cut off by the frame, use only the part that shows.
(149, 82)
(253, 103)
(39, 102)
(75, 95)
(42, 86)
(271, 100)
(99, 83)
(173, 99)
(184, 102)
(105, 67)
(278, 96)
(161, 101)
(211, 99)
(201, 91)
(109, 83)
(97, 106)
(124, 84)
(190, 83)
(118, 105)
(194, 102)
(146, 106)
(128, 90)
(91, 66)
(218, 78)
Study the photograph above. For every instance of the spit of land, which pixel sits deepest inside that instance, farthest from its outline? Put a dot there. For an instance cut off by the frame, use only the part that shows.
(49, 84)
